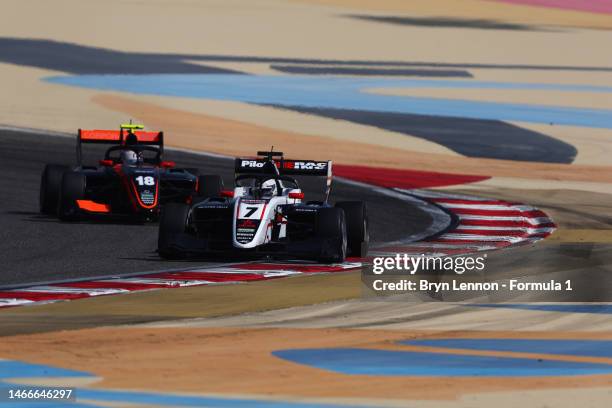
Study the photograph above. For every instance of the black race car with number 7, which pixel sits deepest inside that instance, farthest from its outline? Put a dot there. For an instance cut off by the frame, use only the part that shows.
(266, 215)
(132, 180)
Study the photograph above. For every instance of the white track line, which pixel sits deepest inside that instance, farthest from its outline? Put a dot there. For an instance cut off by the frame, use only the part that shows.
(69, 290)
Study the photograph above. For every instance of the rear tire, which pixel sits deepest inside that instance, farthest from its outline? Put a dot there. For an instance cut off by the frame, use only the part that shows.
(173, 221)
(356, 227)
(50, 185)
(73, 188)
(208, 186)
(331, 229)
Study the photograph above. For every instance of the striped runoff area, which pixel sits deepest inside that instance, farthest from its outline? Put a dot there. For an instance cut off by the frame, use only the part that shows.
(482, 225)
(243, 272)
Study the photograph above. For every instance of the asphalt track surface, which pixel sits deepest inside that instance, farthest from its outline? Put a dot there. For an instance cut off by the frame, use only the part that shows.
(37, 248)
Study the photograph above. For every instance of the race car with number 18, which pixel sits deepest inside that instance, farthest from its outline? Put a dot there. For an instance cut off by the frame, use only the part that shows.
(132, 181)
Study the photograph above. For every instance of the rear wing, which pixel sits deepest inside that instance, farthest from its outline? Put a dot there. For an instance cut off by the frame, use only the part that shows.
(284, 166)
(117, 137)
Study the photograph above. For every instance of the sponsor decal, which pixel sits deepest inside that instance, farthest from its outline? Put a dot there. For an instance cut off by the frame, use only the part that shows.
(252, 163)
(213, 205)
(299, 209)
(147, 197)
(247, 201)
(246, 230)
(305, 165)
(286, 164)
(246, 224)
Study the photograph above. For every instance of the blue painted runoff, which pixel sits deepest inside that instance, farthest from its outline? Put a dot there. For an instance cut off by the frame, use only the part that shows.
(591, 348)
(16, 369)
(350, 93)
(357, 361)
(191, 401)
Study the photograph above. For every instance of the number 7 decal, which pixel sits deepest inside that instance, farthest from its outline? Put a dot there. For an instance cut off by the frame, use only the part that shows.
(250, 211)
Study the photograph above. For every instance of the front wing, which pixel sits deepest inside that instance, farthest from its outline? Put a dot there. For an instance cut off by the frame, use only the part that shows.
(186, 245)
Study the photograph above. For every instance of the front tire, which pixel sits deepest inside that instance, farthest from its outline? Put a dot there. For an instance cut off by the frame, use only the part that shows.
(331, 229)
(73, 188)
(50, 186)
(356, 227)
(173, 221)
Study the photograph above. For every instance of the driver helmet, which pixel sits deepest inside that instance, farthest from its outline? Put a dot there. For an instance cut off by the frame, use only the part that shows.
(129, 157)
(131, 139)
(268, 187)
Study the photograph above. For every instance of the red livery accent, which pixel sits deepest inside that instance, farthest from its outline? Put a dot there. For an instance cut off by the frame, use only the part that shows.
(112, 136)
(296, 195)
(92, 206)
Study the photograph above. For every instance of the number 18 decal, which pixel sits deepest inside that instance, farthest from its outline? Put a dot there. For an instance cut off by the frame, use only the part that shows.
(145, 180)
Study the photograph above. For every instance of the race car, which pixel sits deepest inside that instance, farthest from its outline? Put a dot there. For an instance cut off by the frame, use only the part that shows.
(266, 215)
(131, 181)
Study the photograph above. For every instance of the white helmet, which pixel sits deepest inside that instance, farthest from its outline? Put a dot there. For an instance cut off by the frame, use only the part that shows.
(129, 157)
(268, 187)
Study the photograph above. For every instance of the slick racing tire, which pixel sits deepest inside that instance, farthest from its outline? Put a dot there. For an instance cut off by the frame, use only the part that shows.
(50, 184)
(173, 221)
(331, 230)
(72, 189)
(209, 186)
(356, 227)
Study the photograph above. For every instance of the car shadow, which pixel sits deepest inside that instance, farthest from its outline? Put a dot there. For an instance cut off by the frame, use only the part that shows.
(31, 216)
